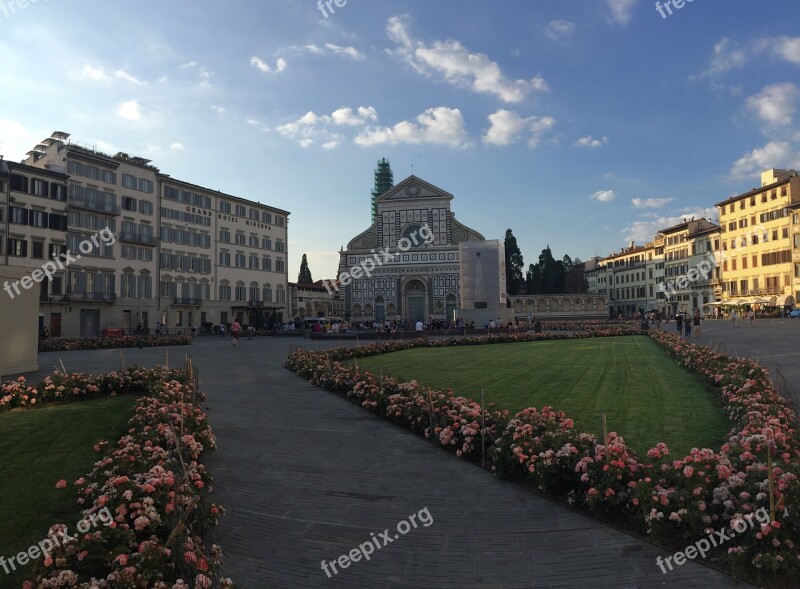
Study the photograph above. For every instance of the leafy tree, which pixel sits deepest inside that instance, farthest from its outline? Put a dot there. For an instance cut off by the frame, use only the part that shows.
(533, 280)
(305, 274)
(515, 282)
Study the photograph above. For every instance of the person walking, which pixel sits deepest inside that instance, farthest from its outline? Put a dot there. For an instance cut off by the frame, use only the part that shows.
(687, 324)
(679, 323)
(734, 317)
(235, 332)
(698, 323)
(752, 316)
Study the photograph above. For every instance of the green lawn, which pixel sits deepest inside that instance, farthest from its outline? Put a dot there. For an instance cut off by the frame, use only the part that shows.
(646, 396)
(38, 447)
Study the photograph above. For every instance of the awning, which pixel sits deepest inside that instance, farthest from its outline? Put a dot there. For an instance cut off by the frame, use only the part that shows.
(788, 301)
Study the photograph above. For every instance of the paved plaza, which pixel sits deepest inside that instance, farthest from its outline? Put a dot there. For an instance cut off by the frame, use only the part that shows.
(307, 476)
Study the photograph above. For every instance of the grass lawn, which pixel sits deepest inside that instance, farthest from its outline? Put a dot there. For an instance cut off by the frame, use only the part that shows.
(39, 447)
(647, 397)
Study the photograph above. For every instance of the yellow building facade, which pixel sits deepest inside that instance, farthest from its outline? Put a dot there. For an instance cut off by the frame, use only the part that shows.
(760, 242)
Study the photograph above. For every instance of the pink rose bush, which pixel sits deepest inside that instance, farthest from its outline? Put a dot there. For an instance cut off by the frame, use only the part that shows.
(674, 500)
(106, 343)
(152, 482)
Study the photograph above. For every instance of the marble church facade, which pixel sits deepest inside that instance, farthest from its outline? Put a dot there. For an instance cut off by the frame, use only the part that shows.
(419, 278)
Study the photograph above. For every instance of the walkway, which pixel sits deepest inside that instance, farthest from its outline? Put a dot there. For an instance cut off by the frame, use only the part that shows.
(307, 476)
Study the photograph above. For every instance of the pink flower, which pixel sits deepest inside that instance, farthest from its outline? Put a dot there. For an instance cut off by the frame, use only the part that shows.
(688, 471)
(61, 484)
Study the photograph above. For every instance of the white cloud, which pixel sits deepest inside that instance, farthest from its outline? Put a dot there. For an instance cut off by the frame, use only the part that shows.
(350, 52)
(130, 110)
(346, 116)
(604, 196)
(94, 73)
(263, 66)
(788, 48)
(330, 145)
(16, 139)
(98, 74)
(621, 10)
(642, 231)
(725, 57)
(189, 65)
(436, 126)
(508, 127)
(458, 66)
(123, 75)
(775, 104)
(728, 55)
(218, 109)
(650, 203)
(305, 142)
(560, 31)
(591, 142)
(775, 154)
(177, 146)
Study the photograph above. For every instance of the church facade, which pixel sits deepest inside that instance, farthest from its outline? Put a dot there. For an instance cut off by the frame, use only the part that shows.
(414, 240)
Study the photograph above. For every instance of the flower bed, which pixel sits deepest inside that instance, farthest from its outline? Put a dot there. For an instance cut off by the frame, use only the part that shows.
(151, 481)
(675, 501)
(105, 343)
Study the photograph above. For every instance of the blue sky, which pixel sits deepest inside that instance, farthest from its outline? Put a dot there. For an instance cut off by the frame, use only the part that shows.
(583, 124)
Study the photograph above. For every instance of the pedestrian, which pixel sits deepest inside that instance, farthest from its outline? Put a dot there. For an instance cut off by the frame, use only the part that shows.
(734, 317)
(221, 330)
(679, 323)
(752, 318)
(194, 329)
(235, 331)
(698, 323)
(687, 324)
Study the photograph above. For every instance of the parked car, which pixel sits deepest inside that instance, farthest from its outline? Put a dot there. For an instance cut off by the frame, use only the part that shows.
(795, 313)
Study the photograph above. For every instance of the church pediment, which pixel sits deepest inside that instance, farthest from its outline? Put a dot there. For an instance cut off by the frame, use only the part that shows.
(413, 188)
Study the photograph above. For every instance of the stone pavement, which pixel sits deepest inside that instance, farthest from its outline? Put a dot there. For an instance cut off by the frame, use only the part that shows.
(307, 476)
(774, 343)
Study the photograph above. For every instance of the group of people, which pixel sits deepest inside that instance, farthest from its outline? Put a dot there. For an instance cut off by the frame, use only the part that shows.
(236, 330)
(751, 315)
(684, 323)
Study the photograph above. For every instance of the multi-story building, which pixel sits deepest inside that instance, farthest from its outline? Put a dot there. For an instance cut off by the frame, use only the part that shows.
(180, 254)
(760, 242)
(628, 278)
(315, 300)
(590, 269)
(251, 269)
(33, 229)
(691, 273)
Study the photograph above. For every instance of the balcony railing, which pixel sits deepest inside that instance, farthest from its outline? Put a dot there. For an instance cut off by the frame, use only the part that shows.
(102, 297)
(91, 205)
(188, 302)
(137, 238)
(54, 299)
